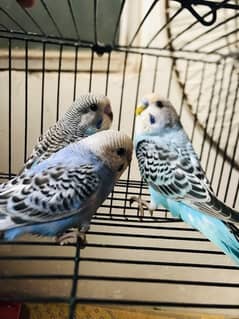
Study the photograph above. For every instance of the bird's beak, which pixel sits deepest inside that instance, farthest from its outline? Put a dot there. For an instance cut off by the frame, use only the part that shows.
(107, 110)
(139, 109)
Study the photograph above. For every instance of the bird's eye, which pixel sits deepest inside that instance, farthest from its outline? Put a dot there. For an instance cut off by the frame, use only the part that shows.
(120, 151)
(159, 104)
(120, 167)
(93, 107)
(152, 119)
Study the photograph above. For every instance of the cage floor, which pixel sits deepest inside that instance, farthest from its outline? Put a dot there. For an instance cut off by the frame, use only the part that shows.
(127, 261)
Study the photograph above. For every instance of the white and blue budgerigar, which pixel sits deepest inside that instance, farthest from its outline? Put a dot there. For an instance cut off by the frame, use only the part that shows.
(66, 189)
(176, 180)
(88, 114)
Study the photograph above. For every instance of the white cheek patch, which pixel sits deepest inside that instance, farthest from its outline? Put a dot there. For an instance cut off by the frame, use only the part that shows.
(89, 123)
(142, 124)
(88, 118)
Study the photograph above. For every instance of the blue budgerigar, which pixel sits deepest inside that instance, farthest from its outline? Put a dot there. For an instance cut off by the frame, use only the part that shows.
(176, 180)
(66, 189)
(87, 115)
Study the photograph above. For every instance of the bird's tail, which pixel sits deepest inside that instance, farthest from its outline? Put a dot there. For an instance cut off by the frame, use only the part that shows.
(223, 235)
(227, 213)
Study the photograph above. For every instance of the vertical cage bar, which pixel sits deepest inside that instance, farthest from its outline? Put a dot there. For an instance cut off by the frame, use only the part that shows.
(142, 22)
(216, 114)
(10, 108)
(133, 127)
(155, 73)
(51, 18)
(91, 70)
(236, 195)
(119, 120)
(43, 85)
(232, 165)
(237, 189)
(137, 90)
(26, 100)
(95, 22)
(170, 79)
(118, 21)
(73, 19)
(183, 88)
(122, 89)
(73, 296)
(228, 137)
(221, 130)
(75, 72)
(59, 83)
(107, 73)
(209, 111)
(198, 100)
(236, 26)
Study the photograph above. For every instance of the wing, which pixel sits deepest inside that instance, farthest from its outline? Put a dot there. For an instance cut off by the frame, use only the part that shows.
(52, 141)
(175, 172)
(49, 195)
(47, 144)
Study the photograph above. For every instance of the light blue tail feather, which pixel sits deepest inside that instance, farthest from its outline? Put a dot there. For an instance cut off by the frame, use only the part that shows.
(217, 231)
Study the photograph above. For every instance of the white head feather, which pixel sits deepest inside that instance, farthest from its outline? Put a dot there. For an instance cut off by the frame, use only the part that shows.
(113, 147)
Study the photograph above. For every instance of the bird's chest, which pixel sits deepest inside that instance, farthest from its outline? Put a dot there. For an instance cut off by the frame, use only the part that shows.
(153, 161)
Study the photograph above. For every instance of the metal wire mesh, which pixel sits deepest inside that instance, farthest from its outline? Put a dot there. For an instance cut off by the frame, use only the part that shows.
(155, 261)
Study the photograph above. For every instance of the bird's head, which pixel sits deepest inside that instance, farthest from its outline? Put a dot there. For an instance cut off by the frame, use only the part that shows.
(154, 115)
(90, 113)
(114, 148)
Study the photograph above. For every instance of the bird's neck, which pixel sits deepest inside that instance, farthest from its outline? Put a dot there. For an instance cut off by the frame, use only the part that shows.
(169, 136)
(70, 126)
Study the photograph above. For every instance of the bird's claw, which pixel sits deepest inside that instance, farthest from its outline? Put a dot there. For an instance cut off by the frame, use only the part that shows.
(71, 236)
(142, 204)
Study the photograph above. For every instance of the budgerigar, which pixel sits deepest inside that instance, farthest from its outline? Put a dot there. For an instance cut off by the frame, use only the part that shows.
(171, 168)
(66, 189)
(87, 115)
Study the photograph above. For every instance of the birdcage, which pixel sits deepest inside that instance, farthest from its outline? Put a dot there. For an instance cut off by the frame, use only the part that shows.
(187, 51)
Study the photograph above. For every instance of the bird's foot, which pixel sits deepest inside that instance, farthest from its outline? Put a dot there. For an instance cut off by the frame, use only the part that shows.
(71, 236)
(142, 204)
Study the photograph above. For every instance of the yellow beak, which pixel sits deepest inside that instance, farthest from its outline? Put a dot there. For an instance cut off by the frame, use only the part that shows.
(139, 109)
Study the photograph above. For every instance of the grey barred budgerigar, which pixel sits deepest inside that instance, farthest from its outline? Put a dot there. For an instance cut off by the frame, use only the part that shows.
(87, 115)
(66, 189)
